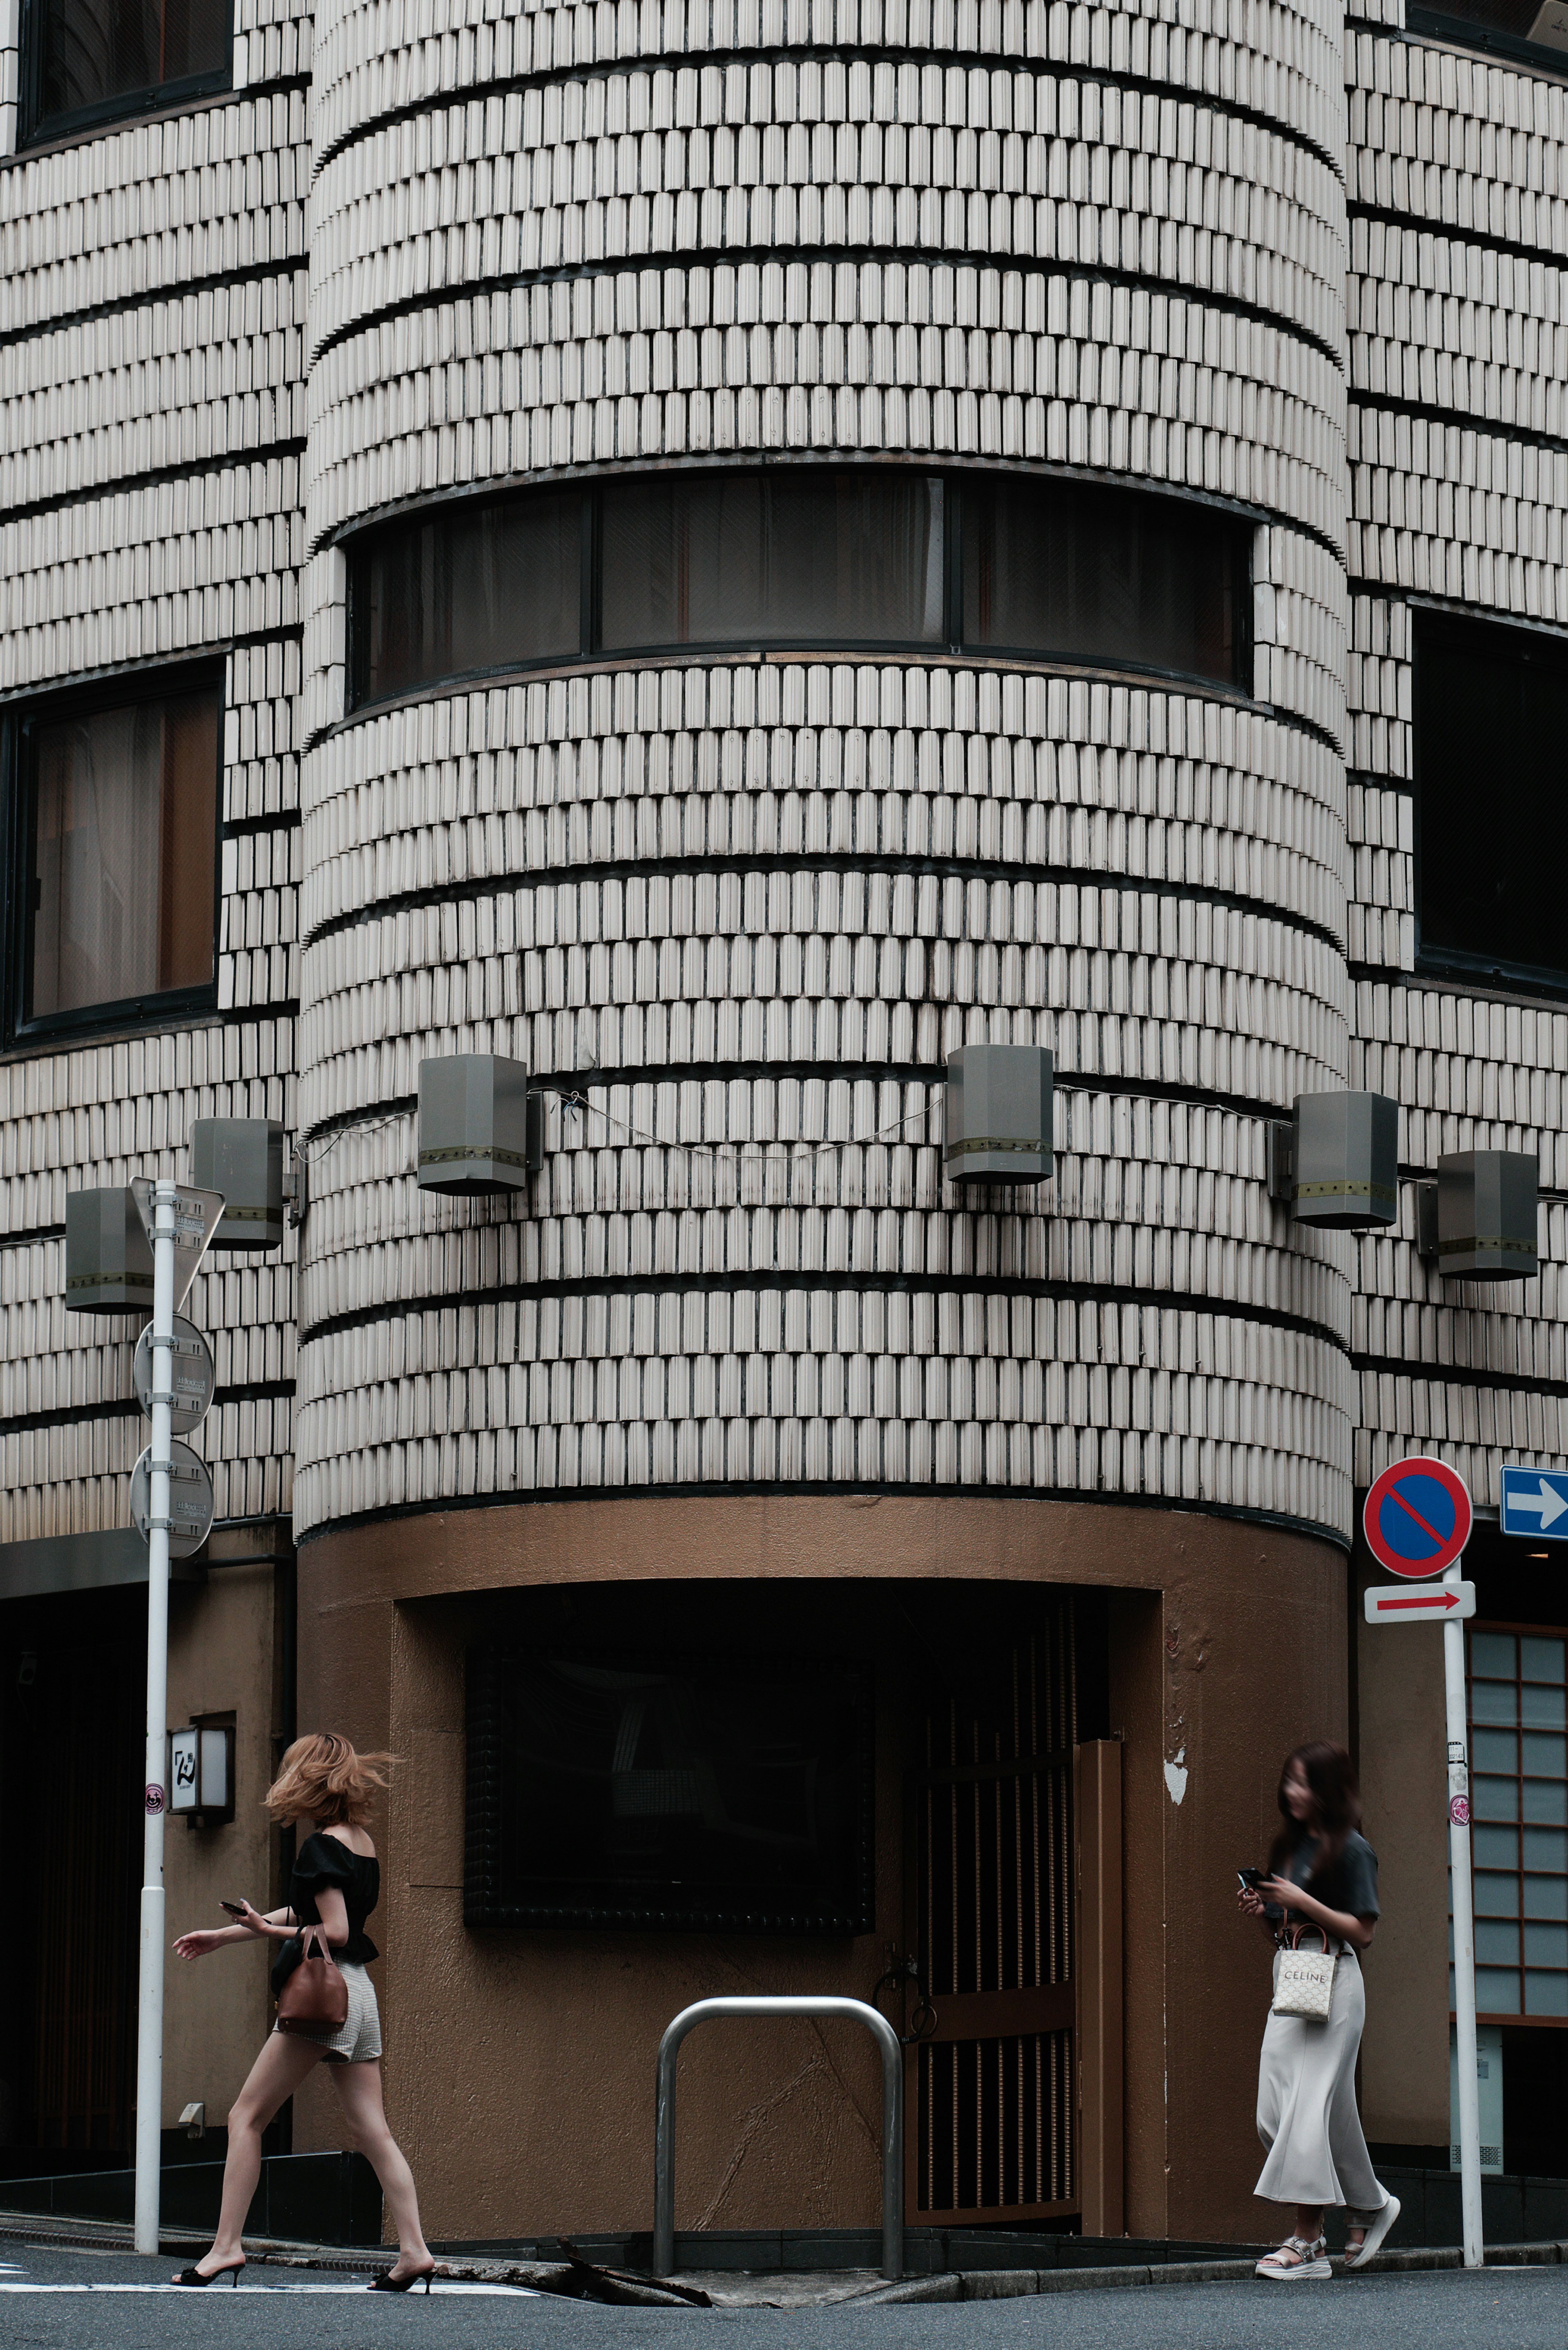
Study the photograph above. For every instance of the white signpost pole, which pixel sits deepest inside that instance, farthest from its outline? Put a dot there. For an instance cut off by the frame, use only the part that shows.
(1464, 1935)
(150, 2003)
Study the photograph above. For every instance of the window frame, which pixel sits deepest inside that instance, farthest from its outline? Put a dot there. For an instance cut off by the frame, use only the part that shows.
(36, 129)
(1490, 40)
(1469, 965)
(357, 543)
(1537, 1631)
(20, 850)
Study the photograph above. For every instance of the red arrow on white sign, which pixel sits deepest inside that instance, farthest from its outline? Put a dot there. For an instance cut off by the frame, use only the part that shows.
(1395, 1603)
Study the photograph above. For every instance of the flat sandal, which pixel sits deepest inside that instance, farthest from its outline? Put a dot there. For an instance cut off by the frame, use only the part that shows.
(1311, 2262)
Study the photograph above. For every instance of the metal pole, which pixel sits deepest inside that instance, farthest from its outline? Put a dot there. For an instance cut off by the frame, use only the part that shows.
(150, 2003)
(781, 2003)
(1464, 1935)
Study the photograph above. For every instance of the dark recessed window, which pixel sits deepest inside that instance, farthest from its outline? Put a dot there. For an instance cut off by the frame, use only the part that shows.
(1492, 718)
(119, 805)
(894, 559)
(88, 60)
(1092, 575)
(1511, 27)
(690, 1793)
(772, 559)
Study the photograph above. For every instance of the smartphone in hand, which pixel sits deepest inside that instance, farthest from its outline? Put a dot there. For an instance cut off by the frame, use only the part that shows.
(1249, 1879)
(235, 1908)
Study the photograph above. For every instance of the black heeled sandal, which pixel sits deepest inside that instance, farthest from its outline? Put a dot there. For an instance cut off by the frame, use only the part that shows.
(193, 2275)
(389, 2284)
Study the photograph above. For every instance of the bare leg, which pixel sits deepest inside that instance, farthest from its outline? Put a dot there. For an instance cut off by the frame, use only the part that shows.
(274, 2077)
(360, 2088)
(1309, 2221)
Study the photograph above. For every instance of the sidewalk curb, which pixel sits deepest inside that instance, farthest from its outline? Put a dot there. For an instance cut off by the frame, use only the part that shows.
(1005, 2284)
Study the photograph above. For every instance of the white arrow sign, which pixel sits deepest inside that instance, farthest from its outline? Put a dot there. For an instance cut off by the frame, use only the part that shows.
(1544, 1503)
(1433, 1603)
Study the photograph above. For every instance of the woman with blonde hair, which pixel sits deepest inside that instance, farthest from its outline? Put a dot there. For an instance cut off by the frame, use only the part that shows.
(337, 1883)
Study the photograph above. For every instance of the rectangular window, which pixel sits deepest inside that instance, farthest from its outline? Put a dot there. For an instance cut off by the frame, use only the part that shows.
(468, 587)
(1091, 575)
(890, 558)
(120, 804)
(761, 559)
(1519, 1803)
(690, 1793)
(89, 60)
(1510, 27)
(1491, 717)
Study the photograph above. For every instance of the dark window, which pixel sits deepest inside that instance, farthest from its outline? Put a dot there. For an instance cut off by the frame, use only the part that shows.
(90, 60)
(469, 588)
(1511, 27)
(895, 559)
(1092, 575)
(770, 558)
(120, 812)
(1492, 718)
(713, 1794)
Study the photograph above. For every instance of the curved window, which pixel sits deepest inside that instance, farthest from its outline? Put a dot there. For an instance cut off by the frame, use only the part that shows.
(1514, 28)
(87, 61)
(888, 560)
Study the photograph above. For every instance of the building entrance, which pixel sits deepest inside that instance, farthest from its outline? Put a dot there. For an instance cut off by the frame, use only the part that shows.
(994, 2076)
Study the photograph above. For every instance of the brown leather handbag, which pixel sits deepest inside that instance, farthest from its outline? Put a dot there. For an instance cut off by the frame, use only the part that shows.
(315, 1997)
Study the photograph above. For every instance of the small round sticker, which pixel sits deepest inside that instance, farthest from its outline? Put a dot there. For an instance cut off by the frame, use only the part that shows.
(1459, 1811)
(153, 1801)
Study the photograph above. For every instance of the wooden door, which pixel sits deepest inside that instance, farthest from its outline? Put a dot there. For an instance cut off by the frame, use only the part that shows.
(992, 2084)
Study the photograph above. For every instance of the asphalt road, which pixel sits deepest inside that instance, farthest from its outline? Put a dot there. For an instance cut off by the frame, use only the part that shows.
(54, 2299)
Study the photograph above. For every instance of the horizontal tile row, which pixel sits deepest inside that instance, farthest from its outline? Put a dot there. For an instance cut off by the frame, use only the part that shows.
(150, 571)
(75, 1478)
(144, 207)
(1087, 1456)
(1460, 1335)
(1271, 60)
(388, 840)
(1467, 142)
(1208, 232)
(1476, 1434)
(57, 1362)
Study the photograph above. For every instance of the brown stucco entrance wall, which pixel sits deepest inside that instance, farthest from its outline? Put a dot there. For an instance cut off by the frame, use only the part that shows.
(520, 2066)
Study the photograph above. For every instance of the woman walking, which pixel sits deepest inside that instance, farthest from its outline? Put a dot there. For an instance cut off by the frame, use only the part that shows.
(325, 1786)
(1323, 1875)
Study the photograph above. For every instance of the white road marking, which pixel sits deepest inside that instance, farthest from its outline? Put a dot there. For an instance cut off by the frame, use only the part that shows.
(442, 2285)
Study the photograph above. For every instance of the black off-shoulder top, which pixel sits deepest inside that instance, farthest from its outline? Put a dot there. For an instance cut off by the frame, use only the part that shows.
(324, 1861)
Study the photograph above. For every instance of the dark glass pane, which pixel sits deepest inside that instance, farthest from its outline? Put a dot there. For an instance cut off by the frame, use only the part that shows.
(1092, 575)
(1526, 20)
(468, 587)
(826, 557)
(125, 817)
(1491, 717)
(94, 51)
(677, 1793)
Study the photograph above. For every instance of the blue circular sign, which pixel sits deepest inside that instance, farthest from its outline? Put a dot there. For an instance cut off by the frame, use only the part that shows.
(1416, 1520)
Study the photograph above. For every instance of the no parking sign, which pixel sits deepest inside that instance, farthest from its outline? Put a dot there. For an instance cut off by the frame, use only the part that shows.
(1418, 1518)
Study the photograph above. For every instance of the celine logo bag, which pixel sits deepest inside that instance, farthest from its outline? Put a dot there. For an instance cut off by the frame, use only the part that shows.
(1305, 1984)
(315, 1997)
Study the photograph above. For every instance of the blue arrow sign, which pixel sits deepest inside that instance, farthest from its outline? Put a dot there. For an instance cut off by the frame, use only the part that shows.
(1535, 1503)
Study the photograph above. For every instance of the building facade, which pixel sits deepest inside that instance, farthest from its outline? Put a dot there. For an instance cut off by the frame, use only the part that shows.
(720, 554)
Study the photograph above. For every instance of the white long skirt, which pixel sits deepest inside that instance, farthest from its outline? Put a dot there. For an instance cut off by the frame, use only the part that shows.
(1306, 2104)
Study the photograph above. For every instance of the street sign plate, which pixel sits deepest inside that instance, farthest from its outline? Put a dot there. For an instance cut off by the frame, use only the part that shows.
(1416, 1518)
(189, 1500)
(1435, 1603)
(1534, 1503)
(196, 1217)
(194, 1377)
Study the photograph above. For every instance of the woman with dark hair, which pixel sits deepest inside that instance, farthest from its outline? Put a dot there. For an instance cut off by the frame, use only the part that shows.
(1323, 1874)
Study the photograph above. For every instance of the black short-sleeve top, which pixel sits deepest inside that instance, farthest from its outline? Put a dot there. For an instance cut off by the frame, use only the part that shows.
(1349, 1883)
(323, 1861)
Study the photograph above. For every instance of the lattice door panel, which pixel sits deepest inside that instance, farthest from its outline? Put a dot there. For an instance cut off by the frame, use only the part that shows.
(993, 2089)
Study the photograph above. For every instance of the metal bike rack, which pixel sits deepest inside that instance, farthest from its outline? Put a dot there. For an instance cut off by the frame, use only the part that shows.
(783, 2003)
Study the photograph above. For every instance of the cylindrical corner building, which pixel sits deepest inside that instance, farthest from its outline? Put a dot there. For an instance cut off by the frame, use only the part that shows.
(724, 554)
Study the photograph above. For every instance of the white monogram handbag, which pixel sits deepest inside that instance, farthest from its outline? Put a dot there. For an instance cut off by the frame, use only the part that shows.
(1306, 1983)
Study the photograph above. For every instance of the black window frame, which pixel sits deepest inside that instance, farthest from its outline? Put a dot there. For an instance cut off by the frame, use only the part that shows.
(358, 544)
(18, 785)
(36, 129)
(1431, 625)
(1492, 40)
